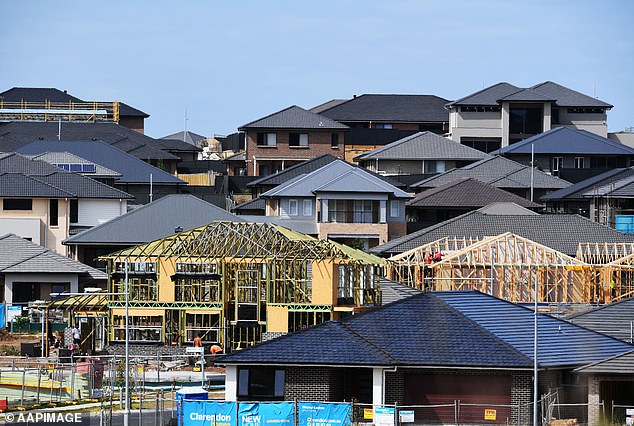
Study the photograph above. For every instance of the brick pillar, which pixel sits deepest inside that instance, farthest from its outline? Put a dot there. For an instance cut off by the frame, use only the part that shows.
(593, 400)
(522, 395)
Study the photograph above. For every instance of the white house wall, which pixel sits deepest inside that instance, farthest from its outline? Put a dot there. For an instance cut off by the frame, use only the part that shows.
(96, 212)
(30, 229)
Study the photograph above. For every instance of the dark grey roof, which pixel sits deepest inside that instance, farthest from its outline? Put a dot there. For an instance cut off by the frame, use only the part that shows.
(423, 146)
(22, 177)
(153, 221)
(294, 117)
(16, 134)
(42, 94)
(391, 108)
(176, 145)
(308, 227)
(564, 140)
(64, 157)
(614, 320)
(327, 105)
(255, 204)
(543, 92)
(131, 168)
(466, 193)
(562, 232)
(448, 329)
(577, 190)
(499, 172)
(186, 136)
(293, 171)
(619, 364)
(391, 291)
(18, 256)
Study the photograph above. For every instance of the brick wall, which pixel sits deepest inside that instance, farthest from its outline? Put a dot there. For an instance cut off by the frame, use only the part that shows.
(522, 395)
(311, 384)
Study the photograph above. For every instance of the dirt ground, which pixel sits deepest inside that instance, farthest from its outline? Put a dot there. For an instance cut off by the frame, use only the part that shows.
(10, 342)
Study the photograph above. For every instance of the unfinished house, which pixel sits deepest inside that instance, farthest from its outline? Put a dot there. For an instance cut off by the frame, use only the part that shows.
(236, 284)
(613, 267)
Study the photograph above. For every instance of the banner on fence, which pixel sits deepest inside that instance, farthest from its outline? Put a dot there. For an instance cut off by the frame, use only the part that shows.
(322, 414)
(266, 414)
(204, 413)
(384, 416)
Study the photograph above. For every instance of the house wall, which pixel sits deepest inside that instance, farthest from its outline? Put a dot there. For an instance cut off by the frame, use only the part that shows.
(376, 230)
(595, 123)
(319, 143)
(134, 123)
(92, 212)
(27, 228)
(284, 210)
(44, 280)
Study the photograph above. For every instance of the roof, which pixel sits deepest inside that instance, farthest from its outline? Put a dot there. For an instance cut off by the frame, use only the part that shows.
(308, 227)
(619, 364)
(23, 177)
(18, 256)
(41, 94)
(186, 136)
(131, 168)
(64, 157)
(152, 221)
(466, 192)
(561, 232)
(444, 329)
(255, 204)
(579, 189)
(16, 134)
(292, 172)
(176, 145)
(327, 105)
(391, 108)
(294, 117)
(337, 176)
(423, 146)
(391, 291)
(543, 92)
(499, 172)
(564, 140)
(614, 320)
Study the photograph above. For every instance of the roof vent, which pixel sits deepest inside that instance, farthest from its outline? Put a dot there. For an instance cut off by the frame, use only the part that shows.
(178, 229)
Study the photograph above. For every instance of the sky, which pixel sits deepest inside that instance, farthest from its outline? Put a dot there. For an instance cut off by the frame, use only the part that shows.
(212, 66)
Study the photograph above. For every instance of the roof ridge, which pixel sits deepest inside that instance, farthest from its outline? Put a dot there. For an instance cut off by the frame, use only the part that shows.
(368, 342)
(391, 145)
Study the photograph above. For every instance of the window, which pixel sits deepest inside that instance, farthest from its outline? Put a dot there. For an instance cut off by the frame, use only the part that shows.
(362, 211)
(558, 164)
(74, 211)
(53, 213)
(334, 140)
(437, 166)
(267, 139)
(337, 211)
(17, 204)
(383, 126)
(580, 110)
(480, 109)
(307, 208)
(292, 208)
(554, 116)
(482, 144)
(141, 328)
(579, 162)
(394, 210)
(261, 383)
(298, 139)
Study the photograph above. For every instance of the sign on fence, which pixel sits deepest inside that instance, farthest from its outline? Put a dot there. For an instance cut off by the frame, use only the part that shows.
(321, 414)
(204, 413)
(406, 416)
(266, 414)
(384, 416)
(490, 414)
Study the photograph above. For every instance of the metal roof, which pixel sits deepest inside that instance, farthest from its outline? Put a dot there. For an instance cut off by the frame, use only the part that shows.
(296, 170)
(577, 190)
(423, 146)
(294, 117)
(391, 108)
(619, 364)
(152, 221)
(443, 329)
(615, 320)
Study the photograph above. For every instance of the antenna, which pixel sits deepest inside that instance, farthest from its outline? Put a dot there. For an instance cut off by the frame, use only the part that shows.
(185, 127)
(59, 130)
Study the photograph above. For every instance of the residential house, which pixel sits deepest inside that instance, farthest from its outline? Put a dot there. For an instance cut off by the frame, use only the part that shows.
(27, 100)
(502, 173)
(561, 232)
(342, 203)
(376, 120)
(503, 114)
(71, 162)
(430, 349)
(420, 153)
(558, 150)
(288, 137)
(444, 202)
(137, 177)
(30, 272)
(46, 204)
(602, 198)
(163, 217)
(189, 137)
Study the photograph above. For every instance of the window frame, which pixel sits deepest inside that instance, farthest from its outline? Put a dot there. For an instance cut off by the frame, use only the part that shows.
(395, 205)
(579, 162)
(298, 140)
(17, 204)
(293, 205)
(307, 207)
(264, 139)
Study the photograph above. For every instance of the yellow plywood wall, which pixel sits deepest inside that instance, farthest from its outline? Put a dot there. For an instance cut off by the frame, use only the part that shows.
(166, 286)
(150, 312)
(277, 319)
(324, 284)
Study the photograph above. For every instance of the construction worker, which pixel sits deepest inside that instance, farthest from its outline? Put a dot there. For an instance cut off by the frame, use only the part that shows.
(198, 342)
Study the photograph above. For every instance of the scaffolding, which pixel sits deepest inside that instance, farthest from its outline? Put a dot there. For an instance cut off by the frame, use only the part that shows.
(55, 111)
(233, 282)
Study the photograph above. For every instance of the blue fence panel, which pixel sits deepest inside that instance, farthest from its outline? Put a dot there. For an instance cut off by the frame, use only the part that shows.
(205, 413)
(266, 413)
(324, 414)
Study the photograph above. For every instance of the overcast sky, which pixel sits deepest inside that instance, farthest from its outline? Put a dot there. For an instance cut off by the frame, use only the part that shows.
(229, 63)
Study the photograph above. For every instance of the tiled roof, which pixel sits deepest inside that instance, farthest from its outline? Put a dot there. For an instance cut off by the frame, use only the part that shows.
(18, 255)
(189, 137)
(337, 176)
(577, 190)
(564, 140)
(543, 92)
(294, 117)
(391, 291)
(466, 193)
(327, 105)
(562, 232)
(69, 158)
(308, 227)
(423, 146)
(131, 168)
(255, 204)
(444, 329)
(41, 94)
(619, 364)
(153, 221)
(16, 134)
(499, 172)
(391, 108)
(23, 177)
(614, 320)
(294, 171)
